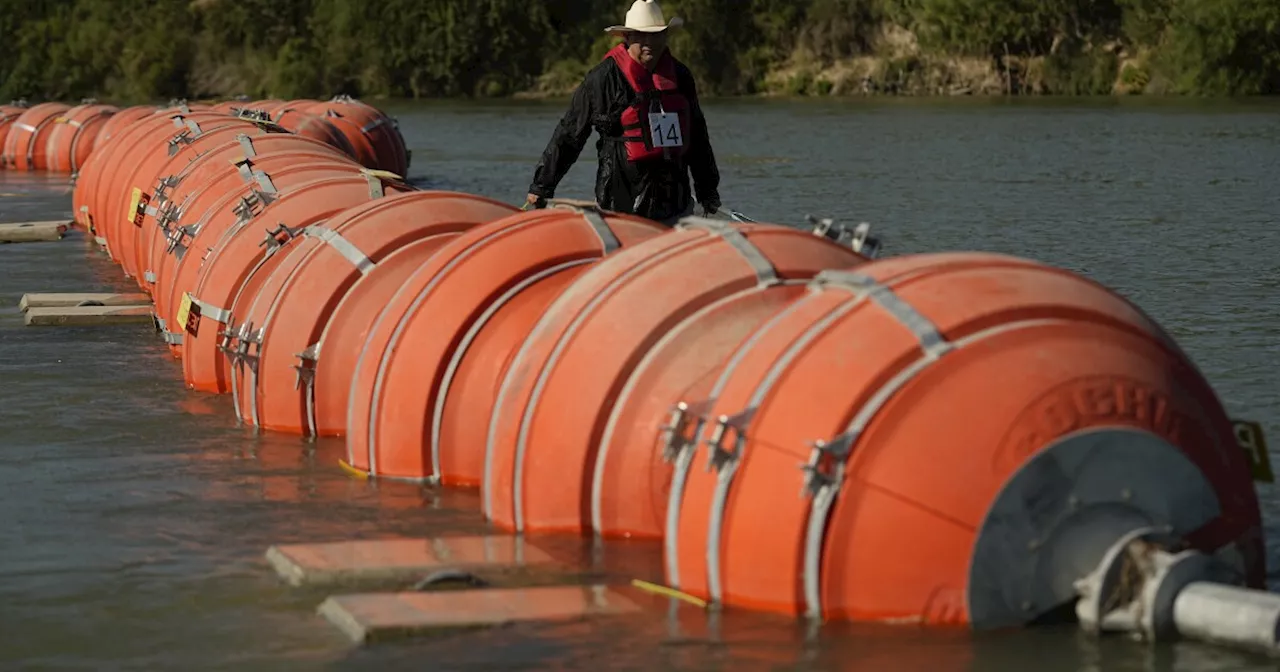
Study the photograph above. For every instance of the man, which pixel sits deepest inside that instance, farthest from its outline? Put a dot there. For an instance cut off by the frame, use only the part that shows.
(644, 104)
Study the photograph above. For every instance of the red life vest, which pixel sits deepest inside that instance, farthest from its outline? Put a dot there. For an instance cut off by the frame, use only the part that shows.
(657, 92)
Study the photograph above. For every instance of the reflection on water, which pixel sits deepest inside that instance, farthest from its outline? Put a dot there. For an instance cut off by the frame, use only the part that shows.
(136, 513)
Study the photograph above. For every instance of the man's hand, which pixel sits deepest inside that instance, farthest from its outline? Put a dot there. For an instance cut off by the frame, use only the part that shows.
(533, 201)
(710, 208)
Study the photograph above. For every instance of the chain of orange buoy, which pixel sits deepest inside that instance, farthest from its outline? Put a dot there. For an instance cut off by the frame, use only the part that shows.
(945, 438)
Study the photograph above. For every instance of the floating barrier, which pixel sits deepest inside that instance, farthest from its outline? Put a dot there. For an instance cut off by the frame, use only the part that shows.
(74, 133)
(8, 115)
(774, 407)
(315, 270)
(374, 135)
(554, 403)
(26, 144)
(449, 330)
(182, 199)
(237, 208)
(243, 254)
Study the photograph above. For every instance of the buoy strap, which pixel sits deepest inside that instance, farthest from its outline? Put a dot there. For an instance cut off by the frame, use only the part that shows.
(731, 232)
(824, 471)
(342, 246)
(931, 339)
(215, 313)
(594, 217)
(246, 145)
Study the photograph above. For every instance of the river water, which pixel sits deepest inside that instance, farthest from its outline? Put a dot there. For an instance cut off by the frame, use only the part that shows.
(135, 513)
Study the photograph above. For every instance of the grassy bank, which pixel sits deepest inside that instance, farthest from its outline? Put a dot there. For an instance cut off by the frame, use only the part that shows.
(148, 49)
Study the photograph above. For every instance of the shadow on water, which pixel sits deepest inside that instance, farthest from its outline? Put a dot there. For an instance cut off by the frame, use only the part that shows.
(136, 513)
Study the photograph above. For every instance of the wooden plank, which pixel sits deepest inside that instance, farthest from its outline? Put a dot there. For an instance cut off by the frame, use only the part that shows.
(31, 232)
(377, 617)
(88, 316)
(401, 559)
(45, 300)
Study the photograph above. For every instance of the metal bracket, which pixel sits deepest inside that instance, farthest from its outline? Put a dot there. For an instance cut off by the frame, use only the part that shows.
(820, 469)
(858, 238)
(306, 373)
(674, 435)
(718, 456)
(183, 137)
(278, 237)
(177, 235)
(163, 185)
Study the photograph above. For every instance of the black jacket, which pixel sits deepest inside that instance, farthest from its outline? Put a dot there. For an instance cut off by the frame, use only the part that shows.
(656, 189)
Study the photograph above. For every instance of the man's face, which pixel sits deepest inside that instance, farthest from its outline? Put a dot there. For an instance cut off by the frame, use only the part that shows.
(646, 47)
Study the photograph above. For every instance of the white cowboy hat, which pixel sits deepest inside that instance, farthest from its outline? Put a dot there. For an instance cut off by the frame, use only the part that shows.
(645, 16)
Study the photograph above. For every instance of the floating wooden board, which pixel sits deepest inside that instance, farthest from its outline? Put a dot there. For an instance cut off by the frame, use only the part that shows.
(401, 559)
(77, 299)
(31, 232)
(84, 316)
(375, 617)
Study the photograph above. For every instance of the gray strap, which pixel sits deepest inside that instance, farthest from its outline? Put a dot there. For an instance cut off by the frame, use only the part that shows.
(608, 240)
(344, 247)
(264, 181)
(211, 311)
(246, 145)
(26, 127)
(245, 168)
(373, 124)
(375, 186)
(149, 276)
(931, 339)
(171, 337)
(765, 272)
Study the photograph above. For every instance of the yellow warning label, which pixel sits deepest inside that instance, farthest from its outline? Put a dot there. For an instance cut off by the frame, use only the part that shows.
(60, 120)
(134, 197)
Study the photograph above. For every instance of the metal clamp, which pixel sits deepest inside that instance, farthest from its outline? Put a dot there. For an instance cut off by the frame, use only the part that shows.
(820, 469)
(247, 208)
(718, 456)
(306, 367)
(159, 193)
(675, 427)
(177, 237)
(183, 137)
(859, 238)
(279, 237)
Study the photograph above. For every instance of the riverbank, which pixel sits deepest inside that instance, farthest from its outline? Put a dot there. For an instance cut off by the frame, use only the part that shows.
(446, 49)
(897, 65)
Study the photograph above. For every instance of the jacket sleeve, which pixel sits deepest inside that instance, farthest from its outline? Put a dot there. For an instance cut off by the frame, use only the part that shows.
(700, 158)
(568, 139)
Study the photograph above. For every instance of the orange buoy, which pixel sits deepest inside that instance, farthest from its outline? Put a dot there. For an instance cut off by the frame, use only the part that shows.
(24, 147)
(290, 308)
(234, 203)
(373, 135)
(554, 403)
(999, 410)
(315, 127)
(449, 329)
(71, 140)
(88, 172)
(8, 115)
(243, 249)
(125, 118)
(137, 178)
(183, 197)
(107, 185)
(160, 173)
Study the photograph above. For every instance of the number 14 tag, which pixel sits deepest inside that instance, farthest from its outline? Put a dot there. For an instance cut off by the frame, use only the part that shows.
(666, 129)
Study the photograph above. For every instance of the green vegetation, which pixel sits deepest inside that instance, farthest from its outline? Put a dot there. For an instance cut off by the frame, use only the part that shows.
(149, 49)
